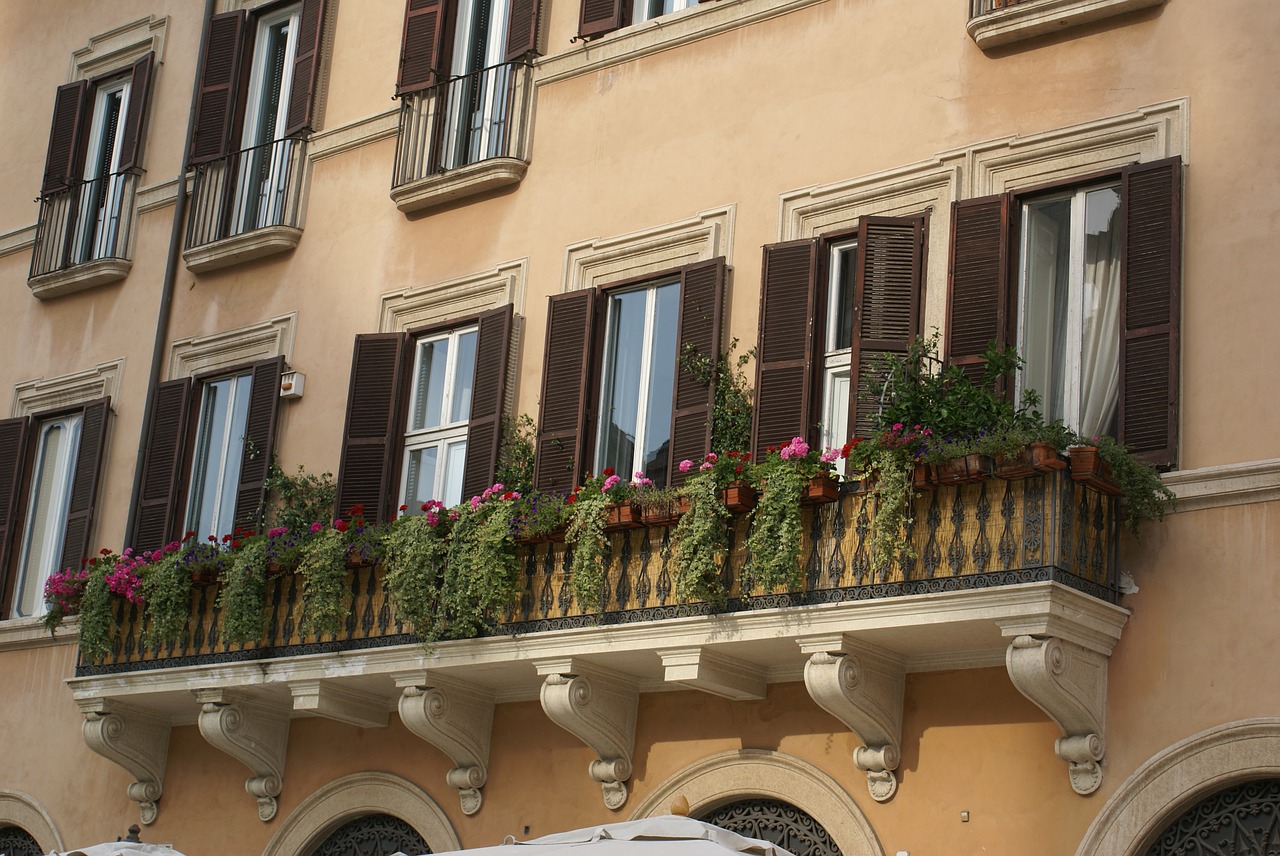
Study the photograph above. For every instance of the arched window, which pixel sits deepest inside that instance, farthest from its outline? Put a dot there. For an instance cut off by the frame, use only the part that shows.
(14, 841)
(372, 835)
(1240, 821)
(775, 821)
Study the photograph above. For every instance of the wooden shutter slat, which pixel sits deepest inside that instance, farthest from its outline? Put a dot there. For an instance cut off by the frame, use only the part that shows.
(13, 455)
(372, 439)
(701, 318)
(888, 293)
(64, 162)
(219, 81)
(523, 21)
(131, 140)
(559, 458)
(1150, 310)
(306, 68)
(161, 466)
(597, 17)
(980, 299)
(84, 483)
(259, 441)
(488, 393)
(791, 324)
(422, 46)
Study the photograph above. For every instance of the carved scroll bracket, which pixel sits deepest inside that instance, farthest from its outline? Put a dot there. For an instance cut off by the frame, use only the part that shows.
(1069, 683)
(255, 734)
(599, 708)
(456, 718)
(861, 686)
(137, 741)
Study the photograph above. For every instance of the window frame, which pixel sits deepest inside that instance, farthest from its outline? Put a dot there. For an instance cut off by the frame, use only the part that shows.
(59, 503)
(197, 447)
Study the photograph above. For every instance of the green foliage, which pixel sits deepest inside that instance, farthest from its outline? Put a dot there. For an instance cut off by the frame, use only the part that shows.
(587, 517)
(731, 410)
(166, 588)
(701, 538)
(542, 513)
(515, 454)
(482, 577)
(1146, 496)
(323, 566)
(296, 501)
(96, 623)
(774, 540)
(417, 552)
(242, 596)
(894, 493)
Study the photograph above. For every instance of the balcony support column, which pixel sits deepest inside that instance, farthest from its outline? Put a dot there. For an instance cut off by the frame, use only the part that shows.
(599, 708)
(1069, 683)
(456, 718)
(863, 687)
(137, 741)
(253, 733)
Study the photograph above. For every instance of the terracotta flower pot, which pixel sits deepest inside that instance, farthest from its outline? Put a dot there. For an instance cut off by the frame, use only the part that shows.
(665, 514)
(820, 489)
(1015, 466)
(923, 478)
(203, 577)
(1045, 457)
(1088, 468)
(623, 515)
(738, 497)
(965, 469)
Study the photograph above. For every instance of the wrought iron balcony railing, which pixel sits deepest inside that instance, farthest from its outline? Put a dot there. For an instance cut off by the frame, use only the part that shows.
(88, 221)
(982, 7)
(246, 191)
(1045, 528)
(463, 120)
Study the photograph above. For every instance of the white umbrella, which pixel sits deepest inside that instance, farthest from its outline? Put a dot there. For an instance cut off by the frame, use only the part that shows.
(122, 848)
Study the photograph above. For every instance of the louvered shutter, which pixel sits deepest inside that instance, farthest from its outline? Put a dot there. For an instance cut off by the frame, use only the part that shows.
(219, 81)
(790, 333)
(422, 47)
(488, 392)
(259, 440)
(161, 466)
(523, 21)
(559, 459)
(13, 455)
(598, 17)
(1150, 309)
(701, 302)
(65, 159)
(306, 68)
(135, 119)
(372, 441)
(888, 291)
(979, 305)
(84, 484)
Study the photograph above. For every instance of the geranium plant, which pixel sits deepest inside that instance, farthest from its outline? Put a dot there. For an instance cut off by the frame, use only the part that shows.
(774, 540)
(588, 516)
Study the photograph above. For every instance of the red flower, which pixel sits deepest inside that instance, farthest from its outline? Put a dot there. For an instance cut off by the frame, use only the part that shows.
(406, 508)
(91, 561)
(609, 471)
(226, 538)
(340, 525)
(235, 545)
(104, 552)
(732, 454)
(213, 538)
(737, 470)
(571, 499)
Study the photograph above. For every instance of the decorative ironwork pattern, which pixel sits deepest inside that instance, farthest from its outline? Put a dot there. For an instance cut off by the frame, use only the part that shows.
(372, 835)
(14, 841)
(1240, 821)
(777, 822)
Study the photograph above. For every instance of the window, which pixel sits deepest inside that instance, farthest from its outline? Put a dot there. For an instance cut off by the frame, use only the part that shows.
(644, 10)
(1085, 281)
(48, 487)
(613, 391)
(219, 449)
(597, 17)
(424, 414)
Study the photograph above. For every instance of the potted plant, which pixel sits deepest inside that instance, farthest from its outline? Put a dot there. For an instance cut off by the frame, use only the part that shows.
(417, 553)
(701, 539)
(242, 596)
(1146, 497)
(661, 506)
(589, 518)
(323, 566)
(543, 517)
(783, 477)
(482, 576)
(166, 588)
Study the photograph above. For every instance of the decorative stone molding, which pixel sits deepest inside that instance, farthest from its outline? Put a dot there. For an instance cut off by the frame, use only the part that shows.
(1029, 20)
(1069, 683)
(600, 261)
(79, 278)
(241, 248)
(599, 708)
(353, 135)
(18, 633)
(45, 395)
(456, 718)
(470, 180)
(18, 240)
(160, 195)
(137, 741)
(22, 810)
(1232, 484)
(454, 298)
(332, 700)
(700, 668)
(255, 734)
(863, 687)
(119, 47)
(199, 354)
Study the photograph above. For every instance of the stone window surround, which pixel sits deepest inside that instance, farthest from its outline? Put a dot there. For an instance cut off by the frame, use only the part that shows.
(24, 811)
(46, 395)
(202, 354)
(119, 47)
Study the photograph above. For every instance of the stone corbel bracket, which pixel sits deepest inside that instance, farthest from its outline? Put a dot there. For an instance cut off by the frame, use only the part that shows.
(1069, 683)
(255, 734)
(456, 718)
(599, 708)
(863, 687)
(137, 741)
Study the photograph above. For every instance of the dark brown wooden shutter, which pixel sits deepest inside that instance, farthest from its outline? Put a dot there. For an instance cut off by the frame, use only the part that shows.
(219, 80)
(162, 465)
(135, 119)
(372, 441)
(13, 455)
(259, 441)
(422, 48)
(84, 484)
(980, 299)
(306, 68)
(790, 333)
(64, 162)
(566, 373)
(1150, 309)
(888, 298)
(602, 16)
(701, 319)
(523, 20)
(488, 393)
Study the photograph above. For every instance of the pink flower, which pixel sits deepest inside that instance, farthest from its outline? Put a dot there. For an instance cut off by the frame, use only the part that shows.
(897, 426)
(341, 525)
(316, 527)
(475, 503)
(686, 465)
(829, 456)
(610, 483)
(706, 465)
(711, 458)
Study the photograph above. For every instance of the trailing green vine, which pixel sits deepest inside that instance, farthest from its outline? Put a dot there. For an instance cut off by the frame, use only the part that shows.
(587, 518)
(242, 597)
(417, 551)
(323, 567)
(701, 541)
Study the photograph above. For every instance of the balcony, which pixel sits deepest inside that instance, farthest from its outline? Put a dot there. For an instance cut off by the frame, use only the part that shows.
(83, 235)
(246, 205)
(462, 137)
(1018, 573)
(993, 23)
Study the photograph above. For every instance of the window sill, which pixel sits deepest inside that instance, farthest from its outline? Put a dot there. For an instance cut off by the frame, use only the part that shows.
(242, 248)
(1029, 20)
(469, 180)
(78, 278)
(17, 633)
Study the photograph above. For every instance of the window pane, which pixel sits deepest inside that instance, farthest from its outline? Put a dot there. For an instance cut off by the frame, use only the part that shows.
(428, 401)
(455, 459)
(620, 383)
(234, 455)
(215, 467)
(1100, 334)
(1047, 287)
(420, 478)
(47, 512)
(464, 372)
(840, 299)
(662, 376)
(835, 420)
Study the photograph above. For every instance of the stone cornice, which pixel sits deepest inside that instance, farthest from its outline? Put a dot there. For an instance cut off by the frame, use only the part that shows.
(1227, 484)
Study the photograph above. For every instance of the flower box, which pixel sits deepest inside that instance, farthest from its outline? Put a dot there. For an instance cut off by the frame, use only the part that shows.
(1045, 457)
(1015, 466)
(665, 513)
(738, 497)
(204, 577)
(623, 515)
(923, 477)
(965, 469)
(821, 488)
(1088, 468)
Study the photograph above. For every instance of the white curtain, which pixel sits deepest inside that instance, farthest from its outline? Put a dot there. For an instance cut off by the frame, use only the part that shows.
(1100, 361)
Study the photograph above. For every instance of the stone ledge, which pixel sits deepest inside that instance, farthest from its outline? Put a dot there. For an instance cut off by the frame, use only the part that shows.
(17, 633)
(79, 277)
(242, 248)
(1230, 484)
(1031, 19)
(469, 180)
